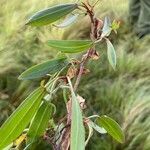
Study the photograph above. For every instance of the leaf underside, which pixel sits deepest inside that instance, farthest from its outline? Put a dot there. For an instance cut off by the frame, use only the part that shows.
(111, 54)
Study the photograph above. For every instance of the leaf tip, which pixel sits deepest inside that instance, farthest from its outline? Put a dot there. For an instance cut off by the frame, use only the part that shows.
(20, 78)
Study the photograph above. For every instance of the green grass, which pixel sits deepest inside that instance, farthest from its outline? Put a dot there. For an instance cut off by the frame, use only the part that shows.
(122, 94)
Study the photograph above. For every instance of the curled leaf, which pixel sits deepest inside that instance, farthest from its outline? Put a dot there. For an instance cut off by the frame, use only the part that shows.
(97, 128)
(90, 133)
(95, 55)
(81, 101)
(68, 21)
(72, 72)
(106, 30)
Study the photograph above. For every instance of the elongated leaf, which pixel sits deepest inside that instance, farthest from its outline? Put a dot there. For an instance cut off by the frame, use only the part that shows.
(112, 128)
(77, 128)
(90, 134)
(106, 28)
(40, 70)
(17, 122)
(70, 46)
(8, 147)
(111, 54)
(51, 14)
(67, 22)
(97, 128)
(40, 122)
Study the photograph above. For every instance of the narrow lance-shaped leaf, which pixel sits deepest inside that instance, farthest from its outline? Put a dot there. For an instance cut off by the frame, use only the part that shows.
(68, 21)
(41, 70)
(111, 127)
(106, 30)
(40, 122)
(77, 127)
(70, 46)
(51, 14)
(111, 54)
(90, 133)
(19, 120)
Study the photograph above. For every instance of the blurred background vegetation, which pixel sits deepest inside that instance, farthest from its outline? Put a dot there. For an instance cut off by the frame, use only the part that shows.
(123, 94)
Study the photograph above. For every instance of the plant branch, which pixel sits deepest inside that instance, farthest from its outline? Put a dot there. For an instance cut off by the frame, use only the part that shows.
(84, 60)
(93, 37)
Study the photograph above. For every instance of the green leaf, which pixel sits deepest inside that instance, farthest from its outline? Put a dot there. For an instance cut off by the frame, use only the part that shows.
(19, 120)
(41, 70)
(40, 122)
(97, 128)
(70, 46)
(111, 127)
(77, 128)
(67, 22)
(51, 14)
(90, 133)
(106, 28)
(115, 25)
(111, 54)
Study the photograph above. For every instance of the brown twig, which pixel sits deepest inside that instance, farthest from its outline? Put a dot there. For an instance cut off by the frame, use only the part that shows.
(84, 60)
(94, 35)
(95, 3)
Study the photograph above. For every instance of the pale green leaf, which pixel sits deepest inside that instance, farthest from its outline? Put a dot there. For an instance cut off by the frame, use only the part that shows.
(106, 30)
(40, 122)
(8, 147)
(111, 54)
(21, 117)
(68, 21)
(70, 46)
(51, 14)
(97, 128)
(90, 133)
(77, 127)
(112, 128)
(41, 70)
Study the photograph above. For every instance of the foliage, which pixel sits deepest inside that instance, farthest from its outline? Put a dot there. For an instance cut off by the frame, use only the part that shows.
(72, 135)
(107, 91)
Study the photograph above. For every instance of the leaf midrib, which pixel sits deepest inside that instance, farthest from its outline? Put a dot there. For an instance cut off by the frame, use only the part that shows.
(20, 119)
(77, 122)
(40, 122)
(70, 47)
(112, 129)
(50, 13)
